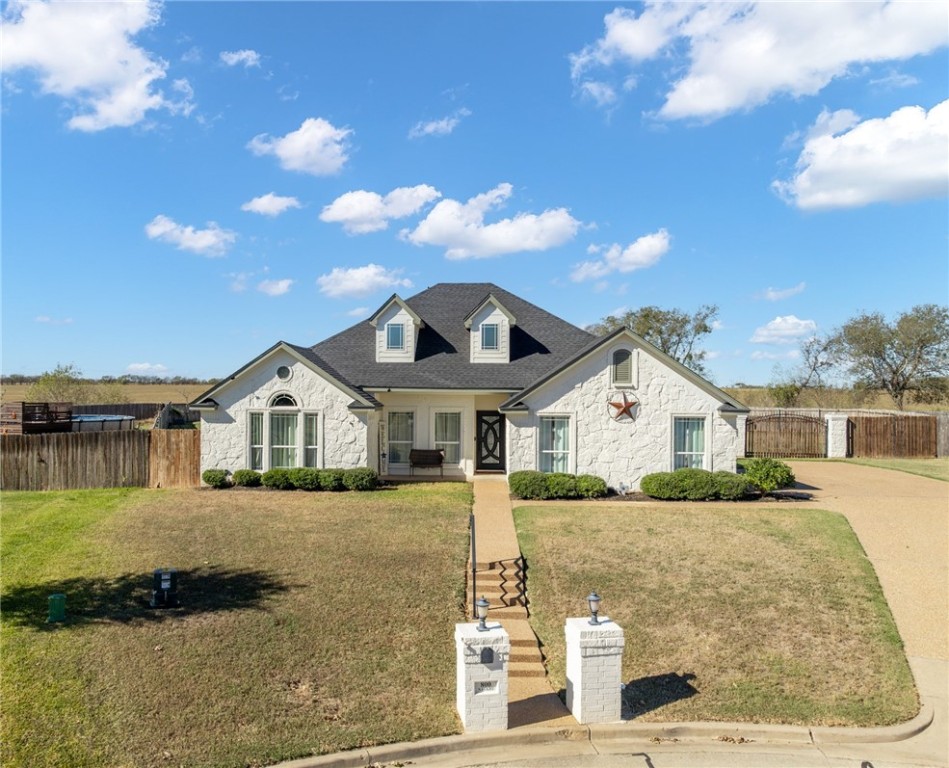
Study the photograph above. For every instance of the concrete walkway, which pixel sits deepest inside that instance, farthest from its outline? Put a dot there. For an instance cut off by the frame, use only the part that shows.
(902, 522)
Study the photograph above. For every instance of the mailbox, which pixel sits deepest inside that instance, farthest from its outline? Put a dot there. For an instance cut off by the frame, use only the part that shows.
(165, 588)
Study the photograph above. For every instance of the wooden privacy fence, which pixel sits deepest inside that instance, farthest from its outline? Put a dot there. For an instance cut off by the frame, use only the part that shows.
(146, 459)
(785, 435)
(893, 435)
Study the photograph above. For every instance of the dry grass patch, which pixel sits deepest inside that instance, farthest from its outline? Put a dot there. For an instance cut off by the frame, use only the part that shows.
(749, 614)
(309, 623)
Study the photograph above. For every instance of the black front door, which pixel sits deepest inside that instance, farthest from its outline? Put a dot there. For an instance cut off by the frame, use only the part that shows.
(490, 429)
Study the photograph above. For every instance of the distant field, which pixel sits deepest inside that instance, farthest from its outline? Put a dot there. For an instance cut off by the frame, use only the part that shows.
(133, 393)
(758, 397)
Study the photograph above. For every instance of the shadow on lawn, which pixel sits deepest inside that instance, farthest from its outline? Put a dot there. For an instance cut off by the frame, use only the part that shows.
(648, 693)
(124, 599)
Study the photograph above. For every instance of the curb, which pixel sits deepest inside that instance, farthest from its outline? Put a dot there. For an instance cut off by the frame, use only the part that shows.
(620, 732)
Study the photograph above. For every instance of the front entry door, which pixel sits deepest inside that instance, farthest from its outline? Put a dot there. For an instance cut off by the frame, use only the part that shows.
(490, 431)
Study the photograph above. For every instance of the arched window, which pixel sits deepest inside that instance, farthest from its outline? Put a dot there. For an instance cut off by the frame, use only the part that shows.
(282, 436)
(623, 367)
(283, 401)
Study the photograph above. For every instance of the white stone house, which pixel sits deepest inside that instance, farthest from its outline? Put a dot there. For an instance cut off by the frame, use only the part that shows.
(494, 382)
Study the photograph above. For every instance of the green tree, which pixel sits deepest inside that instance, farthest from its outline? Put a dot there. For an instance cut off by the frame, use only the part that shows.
(675, 332)
(64, 384)
(910, 355)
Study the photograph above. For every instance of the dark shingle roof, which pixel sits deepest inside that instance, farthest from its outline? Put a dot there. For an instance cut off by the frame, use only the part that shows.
(540, 342)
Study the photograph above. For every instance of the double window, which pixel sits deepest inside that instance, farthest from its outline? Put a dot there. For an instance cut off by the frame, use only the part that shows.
(554, 450)
(283, 436)
(688, 448)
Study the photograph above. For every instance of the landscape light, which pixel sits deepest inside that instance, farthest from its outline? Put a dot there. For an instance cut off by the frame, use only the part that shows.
(482, 606)
(594, 600)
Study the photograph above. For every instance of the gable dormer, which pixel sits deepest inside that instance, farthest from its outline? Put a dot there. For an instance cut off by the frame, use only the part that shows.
(397, 328)
(489, 326)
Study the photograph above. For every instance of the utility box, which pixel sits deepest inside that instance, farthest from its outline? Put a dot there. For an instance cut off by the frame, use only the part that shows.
(164, 588)
(482, 690)
(594, 670)
(57, 608)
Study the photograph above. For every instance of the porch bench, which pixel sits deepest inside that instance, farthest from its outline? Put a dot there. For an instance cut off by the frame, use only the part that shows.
(424, 457)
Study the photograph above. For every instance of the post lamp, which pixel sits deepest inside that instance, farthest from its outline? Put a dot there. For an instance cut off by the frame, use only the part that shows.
(593, 599)
(482, 606)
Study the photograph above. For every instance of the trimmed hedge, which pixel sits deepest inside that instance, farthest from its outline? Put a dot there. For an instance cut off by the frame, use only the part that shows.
(332, 479)
(689, 484)
(277, 479)
(531, 484)
(768, 474)
(247, 478)
(216, 478)
(361, 479)
(305, 478)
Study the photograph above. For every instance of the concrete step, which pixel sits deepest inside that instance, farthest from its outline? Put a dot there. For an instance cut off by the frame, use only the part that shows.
(524, 669)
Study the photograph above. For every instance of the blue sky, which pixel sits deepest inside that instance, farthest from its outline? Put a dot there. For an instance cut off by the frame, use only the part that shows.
(184, 184)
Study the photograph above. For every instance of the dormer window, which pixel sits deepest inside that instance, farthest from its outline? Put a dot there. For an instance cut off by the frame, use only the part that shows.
(395, 336)
(490, 336)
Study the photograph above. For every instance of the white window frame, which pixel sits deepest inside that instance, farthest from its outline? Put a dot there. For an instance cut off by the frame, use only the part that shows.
(571, 451)
(632, 361)
(390, 327)
(461, 434)
(389, 439)
(706, 434)
(301, 449)
(497, 337)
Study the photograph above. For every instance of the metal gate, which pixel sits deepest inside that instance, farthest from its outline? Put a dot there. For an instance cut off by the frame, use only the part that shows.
(786, 436)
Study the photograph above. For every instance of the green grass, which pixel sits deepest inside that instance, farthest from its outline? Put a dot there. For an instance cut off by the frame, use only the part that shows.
(309, 623)
(729, 612)
(937, 469)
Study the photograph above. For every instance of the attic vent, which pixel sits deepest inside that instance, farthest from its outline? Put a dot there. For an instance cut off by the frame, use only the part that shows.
(283, 401)
(284, 372)
(622, 366)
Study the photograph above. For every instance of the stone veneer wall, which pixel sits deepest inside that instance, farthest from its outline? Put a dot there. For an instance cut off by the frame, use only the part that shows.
(224, 438)
(623, 452)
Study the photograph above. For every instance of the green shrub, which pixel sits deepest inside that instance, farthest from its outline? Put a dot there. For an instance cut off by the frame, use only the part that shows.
(591, 486)
(560, 485)
(659, 485)
(695, 484)
(247, 478)
(305, 478)
(277, 479)
(732, 487)
(216, 478)
(332, 479)
(361, 479)
(528, 484)
(768, 474)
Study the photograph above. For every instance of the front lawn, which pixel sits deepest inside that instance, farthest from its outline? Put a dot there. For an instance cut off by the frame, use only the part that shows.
(309, 623)
(730, 612)
(937, 469)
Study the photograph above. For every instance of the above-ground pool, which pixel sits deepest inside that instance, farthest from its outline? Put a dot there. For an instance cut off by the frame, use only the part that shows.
(96, 422)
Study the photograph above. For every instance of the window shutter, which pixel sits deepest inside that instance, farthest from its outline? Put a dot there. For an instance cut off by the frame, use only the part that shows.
(622, 367)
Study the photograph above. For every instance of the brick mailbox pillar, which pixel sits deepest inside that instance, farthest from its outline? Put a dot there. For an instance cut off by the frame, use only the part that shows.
(594, 670)
(482, 659)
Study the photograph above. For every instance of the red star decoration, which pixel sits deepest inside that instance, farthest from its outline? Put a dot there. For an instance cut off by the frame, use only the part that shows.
(624, 407)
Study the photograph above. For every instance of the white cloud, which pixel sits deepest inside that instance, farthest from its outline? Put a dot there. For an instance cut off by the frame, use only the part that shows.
(643, 253)
(784, 330)
(441, 127)
(246, 57)
(777, 294)
(360, 211)
(602, 94)
(460, 228)
(270, 204)
(212, 241)
(274, 287)
(47, 320)
(891, 159)
(146, 369)
(84, 54)
(316, 147)
(360, 281)
(741, 55)
(358, 312)
(791, 354)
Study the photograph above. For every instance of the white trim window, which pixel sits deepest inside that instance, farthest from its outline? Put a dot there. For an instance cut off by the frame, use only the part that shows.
(688, 448)
(395, 336)
(622, 368)
(490, 337)
(447, 435)
(283, 436)
(401, 436)
(554, 444)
